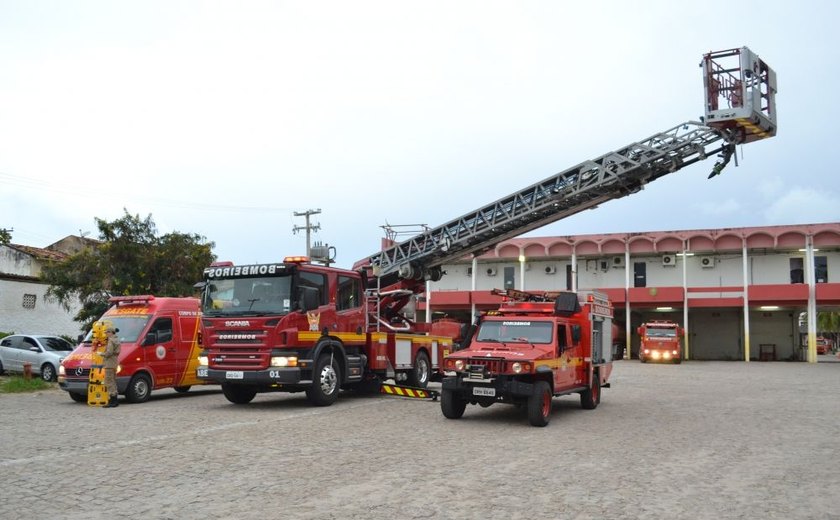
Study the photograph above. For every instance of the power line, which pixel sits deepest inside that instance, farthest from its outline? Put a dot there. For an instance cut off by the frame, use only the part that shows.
(308, 227)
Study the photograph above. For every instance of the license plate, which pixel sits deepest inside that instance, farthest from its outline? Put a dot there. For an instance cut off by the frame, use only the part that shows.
(234, 374)
(202, 372)
(483, 390)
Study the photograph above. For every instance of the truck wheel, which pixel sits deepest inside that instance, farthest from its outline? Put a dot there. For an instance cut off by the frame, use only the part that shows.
(79, 398)
(47, 372)
(451, 405)
(182, 389)
(327, 382)
(590, 397)
(238, 394)
(419, 376)
(139, 389)
(539, 404)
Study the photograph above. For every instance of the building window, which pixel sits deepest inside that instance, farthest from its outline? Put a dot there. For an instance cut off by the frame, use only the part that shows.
(639, 274)
(821, 269)
(797, 272)
(29, 301)
(510, 276)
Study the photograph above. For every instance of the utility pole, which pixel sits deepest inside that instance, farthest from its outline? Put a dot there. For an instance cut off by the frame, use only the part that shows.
(308, 227)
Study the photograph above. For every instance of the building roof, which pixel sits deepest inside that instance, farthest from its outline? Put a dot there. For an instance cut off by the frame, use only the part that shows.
(38, 252)
(789, 237)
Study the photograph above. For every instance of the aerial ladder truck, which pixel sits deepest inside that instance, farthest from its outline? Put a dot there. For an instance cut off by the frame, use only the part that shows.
(296, 326)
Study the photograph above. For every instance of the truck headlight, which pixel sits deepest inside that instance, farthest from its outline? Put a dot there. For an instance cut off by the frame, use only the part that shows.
(459, 364)
(203, 361)
(284, 361)
(517, 367)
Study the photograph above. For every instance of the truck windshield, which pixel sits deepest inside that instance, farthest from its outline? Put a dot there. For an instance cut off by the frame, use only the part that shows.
(662, 333)
(241, 296)
(514, 331)
(129, 327)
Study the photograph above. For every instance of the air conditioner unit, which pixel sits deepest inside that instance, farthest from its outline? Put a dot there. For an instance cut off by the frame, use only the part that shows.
(550, 269)
(669, 260)
(491, 271)
(618, 261)
(707, 262)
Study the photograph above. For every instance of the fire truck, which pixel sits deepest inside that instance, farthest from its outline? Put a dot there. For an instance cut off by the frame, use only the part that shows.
(660, 341)
(296, 326)
(535, 347)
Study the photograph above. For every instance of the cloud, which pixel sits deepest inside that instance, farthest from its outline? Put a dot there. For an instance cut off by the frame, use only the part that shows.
(804, 205)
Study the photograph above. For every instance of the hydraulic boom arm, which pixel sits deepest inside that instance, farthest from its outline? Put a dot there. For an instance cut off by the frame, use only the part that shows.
(747, 90)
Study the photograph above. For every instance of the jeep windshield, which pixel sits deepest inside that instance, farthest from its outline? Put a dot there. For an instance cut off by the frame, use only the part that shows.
(515, 331)
(247, 296)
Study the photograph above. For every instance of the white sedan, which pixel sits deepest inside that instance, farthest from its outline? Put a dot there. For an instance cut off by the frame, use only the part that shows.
(43, 353)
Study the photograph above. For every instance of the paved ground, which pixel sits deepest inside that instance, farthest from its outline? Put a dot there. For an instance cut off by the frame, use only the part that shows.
(702, 440)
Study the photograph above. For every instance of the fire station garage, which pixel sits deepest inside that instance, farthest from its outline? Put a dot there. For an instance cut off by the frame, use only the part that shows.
(741, 294)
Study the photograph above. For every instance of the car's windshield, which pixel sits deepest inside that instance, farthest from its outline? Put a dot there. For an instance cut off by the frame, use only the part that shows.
(129, 327)
(661, 333)
(239, 296)
(515, 331)
(55, 344)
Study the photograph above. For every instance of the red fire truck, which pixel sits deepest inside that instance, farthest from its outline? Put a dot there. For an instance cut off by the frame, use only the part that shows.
(660, 341)
(534, 348)
(296, 326)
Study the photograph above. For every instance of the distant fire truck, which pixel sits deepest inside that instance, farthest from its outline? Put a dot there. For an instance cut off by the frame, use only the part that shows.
(660, 341)
(534, 348)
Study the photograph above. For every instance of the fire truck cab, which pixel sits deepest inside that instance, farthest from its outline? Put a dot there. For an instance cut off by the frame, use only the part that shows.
(158, 348)
(659, 341)
(534, 348)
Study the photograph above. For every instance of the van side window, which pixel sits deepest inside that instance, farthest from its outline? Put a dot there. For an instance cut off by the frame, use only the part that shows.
(162, 328)
(348, 293)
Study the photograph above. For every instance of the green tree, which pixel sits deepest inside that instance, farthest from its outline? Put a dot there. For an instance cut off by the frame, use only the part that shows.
(130, 259)
(5, 236)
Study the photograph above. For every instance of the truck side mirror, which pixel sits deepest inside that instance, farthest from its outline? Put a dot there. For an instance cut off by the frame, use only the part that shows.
(150, 339)
(639, 331)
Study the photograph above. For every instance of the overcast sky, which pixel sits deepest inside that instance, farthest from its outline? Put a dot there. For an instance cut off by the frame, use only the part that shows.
(226, 118)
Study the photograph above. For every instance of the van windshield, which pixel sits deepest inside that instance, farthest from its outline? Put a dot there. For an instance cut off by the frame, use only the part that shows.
(129, 327)
(240, 296)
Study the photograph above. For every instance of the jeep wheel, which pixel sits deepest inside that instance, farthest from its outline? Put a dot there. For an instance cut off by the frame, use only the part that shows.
(327, 381)
(79, 398)
(420, 374)
(590, 397)
(182, 389)
(238, 394)
(451, 405)
(539, 404)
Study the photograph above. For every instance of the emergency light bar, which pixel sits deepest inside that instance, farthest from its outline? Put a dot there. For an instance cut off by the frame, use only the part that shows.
(129, 300)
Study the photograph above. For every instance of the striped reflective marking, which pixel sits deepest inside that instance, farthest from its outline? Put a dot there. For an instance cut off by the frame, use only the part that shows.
(404, 391)
(753, 128)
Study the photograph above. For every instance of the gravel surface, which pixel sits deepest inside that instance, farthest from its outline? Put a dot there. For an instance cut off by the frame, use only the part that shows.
(701, 440)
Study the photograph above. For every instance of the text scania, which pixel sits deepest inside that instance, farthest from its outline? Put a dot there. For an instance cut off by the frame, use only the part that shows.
(237, 323)
(242, 270)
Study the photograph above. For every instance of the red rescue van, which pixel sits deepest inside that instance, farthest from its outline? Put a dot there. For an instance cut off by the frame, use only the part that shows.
(159, 348)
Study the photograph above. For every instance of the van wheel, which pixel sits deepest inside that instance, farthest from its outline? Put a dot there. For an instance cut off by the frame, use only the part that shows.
(327, 381)
(419, 376)
(182, 389)
(590, 397)
(539, 404)
(1, 369)
(139, 389)
(47, 372)
(238, 394)
(451, 405)
(79, 398)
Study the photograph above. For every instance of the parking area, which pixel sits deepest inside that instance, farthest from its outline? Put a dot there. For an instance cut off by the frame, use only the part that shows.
(697, 440)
